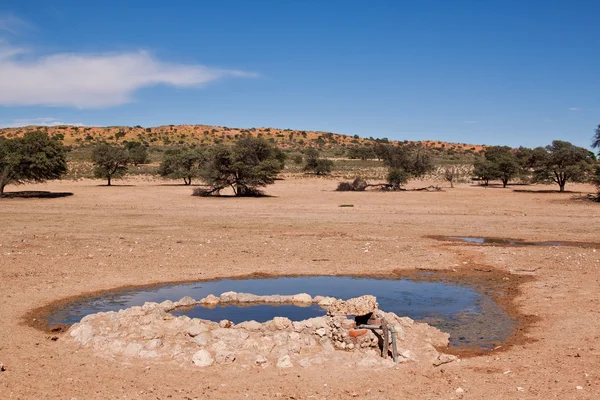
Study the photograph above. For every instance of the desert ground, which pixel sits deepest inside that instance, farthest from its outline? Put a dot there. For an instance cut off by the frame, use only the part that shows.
(151, 231)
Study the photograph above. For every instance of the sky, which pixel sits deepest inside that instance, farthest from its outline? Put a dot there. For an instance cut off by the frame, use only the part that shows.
(487, 72)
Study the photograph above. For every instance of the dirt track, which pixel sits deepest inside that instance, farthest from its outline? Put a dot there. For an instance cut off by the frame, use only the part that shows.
(101, 238)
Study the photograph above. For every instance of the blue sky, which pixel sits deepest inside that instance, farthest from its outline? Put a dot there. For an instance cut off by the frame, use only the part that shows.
(492, 72)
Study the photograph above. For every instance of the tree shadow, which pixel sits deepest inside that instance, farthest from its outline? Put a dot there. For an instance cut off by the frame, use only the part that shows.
(35, 194)
(542, 191)
(113, 185)
(179, 185)
(233, 196)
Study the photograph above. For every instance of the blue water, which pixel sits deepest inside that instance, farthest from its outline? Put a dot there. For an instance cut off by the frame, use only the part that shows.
(470, 317)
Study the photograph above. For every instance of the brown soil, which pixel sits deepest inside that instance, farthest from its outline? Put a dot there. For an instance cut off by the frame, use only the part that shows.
(106, 237)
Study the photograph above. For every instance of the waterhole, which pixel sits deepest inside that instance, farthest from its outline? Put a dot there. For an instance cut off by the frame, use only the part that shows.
(471, 318)
(514, 242)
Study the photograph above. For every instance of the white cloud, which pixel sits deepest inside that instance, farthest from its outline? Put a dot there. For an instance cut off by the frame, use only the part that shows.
(12, 24)
(17, 123)
(573, 109)
(92, 80)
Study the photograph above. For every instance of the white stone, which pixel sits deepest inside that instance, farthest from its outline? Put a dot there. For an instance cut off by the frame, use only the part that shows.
(195, 330)
(210, 300)
(202, 358)
(186, 301)
(321, 332)
(284, 362)
(201, 339)
(250, 325)
(261, 360)
(302, 298)
(82, 333)
(224, 357)
(279, 323)
(229, 297)
(153, 344)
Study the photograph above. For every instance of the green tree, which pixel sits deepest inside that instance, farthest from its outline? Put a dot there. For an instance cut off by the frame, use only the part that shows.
(561, 162)
(32, 158)
(246, 166)
(110, 162)
(503, 163)
(596, 145)
(484, 170)
(181, 164)
(314, 163)
(138, 153)
(405, 162)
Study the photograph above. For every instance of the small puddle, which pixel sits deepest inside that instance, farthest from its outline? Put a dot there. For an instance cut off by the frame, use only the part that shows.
(513, 242)
(471, 318)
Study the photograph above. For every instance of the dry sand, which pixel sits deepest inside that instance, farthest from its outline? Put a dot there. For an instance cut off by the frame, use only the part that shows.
(105, 237)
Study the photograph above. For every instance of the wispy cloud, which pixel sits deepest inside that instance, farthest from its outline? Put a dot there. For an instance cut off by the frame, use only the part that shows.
(573, 109)
(83, 80)
(17, 123)
(10, 23)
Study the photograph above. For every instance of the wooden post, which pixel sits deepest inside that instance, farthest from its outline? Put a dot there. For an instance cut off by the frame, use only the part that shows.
(394, 347)
(386, 340)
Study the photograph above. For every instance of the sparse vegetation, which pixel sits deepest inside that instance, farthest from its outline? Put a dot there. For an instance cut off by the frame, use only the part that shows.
(314, 163)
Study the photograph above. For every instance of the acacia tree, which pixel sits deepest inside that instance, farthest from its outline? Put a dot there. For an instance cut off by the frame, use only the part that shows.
(561, 162)
(502, 163)
(32, 158)
(110, 162)
(246, 166)
(138, 153)
(406, 162)
(596, 145)
(181, 164)
(316, 164)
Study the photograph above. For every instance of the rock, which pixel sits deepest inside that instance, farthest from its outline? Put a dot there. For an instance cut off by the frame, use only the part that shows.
(271, 299)
(202, 339)
(229, 335)
(148, 354)
(459, 390)
(279, 323)
(304, 363)
(153, 344)
(133, 350)
(440, 360)
(167, 305)
(195, 330)
(229, 297)
(302, 298)
(210, 300)
(186, 301)
(250, 326)
(261, 360)
(202, 358)
(358, 306)
(225, 323)
(321, 332)
(2, 367)
(326, 301)
(284, 362)
(248, 298)
(224, 357)
(82, 333)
